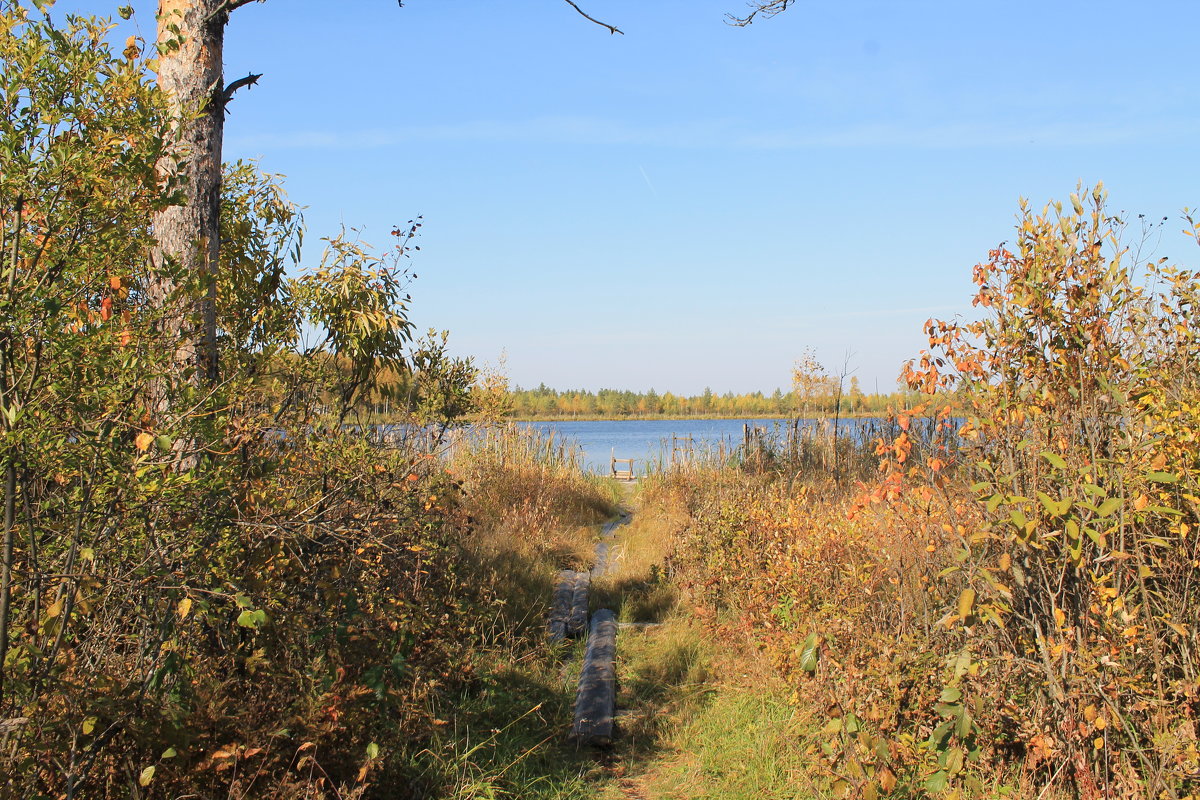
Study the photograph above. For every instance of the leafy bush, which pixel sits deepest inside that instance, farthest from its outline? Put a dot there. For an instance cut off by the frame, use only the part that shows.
(1008, 607)
(205, 588)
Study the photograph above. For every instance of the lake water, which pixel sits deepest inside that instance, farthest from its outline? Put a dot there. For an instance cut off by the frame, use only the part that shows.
(650, 441)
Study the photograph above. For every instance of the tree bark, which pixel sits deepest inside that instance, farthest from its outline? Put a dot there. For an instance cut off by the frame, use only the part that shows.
(191, 36)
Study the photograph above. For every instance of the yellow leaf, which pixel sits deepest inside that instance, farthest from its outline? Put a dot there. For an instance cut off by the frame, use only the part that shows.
(1060, 619)
(143, 441)
(966, 602)
(146, 776)
(1098, 743)
(1005, 561)
(184, 608)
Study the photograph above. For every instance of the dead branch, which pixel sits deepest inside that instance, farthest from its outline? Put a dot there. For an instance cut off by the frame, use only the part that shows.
(585, 15)
(768, 8)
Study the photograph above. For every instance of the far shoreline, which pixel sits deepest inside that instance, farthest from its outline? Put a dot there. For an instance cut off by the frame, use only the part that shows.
(686, 417)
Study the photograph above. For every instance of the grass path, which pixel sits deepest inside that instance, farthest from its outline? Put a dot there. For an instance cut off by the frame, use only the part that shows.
(699, 717)
(696, 719)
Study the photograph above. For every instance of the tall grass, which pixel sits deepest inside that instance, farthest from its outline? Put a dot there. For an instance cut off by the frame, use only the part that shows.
(534, 511)
(529, 485)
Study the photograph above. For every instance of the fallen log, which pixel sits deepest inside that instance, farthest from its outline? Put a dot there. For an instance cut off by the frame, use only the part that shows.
(595, 705)
(577, 619)
(601, 564)
(560, 608)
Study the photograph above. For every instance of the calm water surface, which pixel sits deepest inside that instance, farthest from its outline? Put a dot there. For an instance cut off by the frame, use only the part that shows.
(649, 440)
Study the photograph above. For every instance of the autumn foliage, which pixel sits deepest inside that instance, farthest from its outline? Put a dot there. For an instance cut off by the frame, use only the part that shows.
(207, 589)
(1009, 607)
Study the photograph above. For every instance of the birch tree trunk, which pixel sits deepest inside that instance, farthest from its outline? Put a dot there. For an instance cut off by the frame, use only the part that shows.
(191, 36)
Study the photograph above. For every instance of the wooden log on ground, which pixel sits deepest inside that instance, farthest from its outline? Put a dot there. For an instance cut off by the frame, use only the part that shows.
(577, 619)
(595, 705)
(560, 608)
(601, 564)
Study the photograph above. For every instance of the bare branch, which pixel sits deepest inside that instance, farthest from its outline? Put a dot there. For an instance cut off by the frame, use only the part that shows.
(768, 8)
(227, 94)
(584, 14)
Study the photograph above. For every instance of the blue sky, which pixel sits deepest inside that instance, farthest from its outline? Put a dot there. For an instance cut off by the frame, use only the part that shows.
(693, 204)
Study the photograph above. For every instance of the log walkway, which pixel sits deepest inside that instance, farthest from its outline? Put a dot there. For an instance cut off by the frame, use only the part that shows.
(595, 702)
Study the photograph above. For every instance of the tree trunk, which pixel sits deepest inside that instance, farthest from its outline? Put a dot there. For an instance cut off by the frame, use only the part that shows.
(191, 35)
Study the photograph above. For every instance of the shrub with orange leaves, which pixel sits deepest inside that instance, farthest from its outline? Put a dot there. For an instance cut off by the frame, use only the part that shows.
(1010, 605)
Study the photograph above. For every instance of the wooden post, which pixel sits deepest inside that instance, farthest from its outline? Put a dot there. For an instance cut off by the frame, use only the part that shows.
(595, 705)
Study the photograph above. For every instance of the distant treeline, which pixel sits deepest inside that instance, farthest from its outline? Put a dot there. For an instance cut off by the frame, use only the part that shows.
(607, 403)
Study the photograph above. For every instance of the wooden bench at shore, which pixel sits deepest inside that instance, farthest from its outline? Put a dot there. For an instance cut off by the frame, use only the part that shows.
(625, 473)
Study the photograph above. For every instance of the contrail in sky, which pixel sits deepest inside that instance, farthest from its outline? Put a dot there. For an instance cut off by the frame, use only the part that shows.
(648, 183)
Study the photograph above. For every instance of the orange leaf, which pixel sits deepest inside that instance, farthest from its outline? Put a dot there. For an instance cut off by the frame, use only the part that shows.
(143, 441)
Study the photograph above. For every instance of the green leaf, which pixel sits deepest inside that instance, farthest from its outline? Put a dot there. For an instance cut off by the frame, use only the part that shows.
(954, 759)
(125, 11)
(1072, 529)
(1055, 459)
(89, 725)
(1107, 508)
(1055, 508)
(372, 751)
(252, 619)
(940, 733)
(242, 601)
(808, 653)
(1162, 477)
(1174, 512)
(962, 726)
(937, 781)
(170, 752)
(951, 694)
